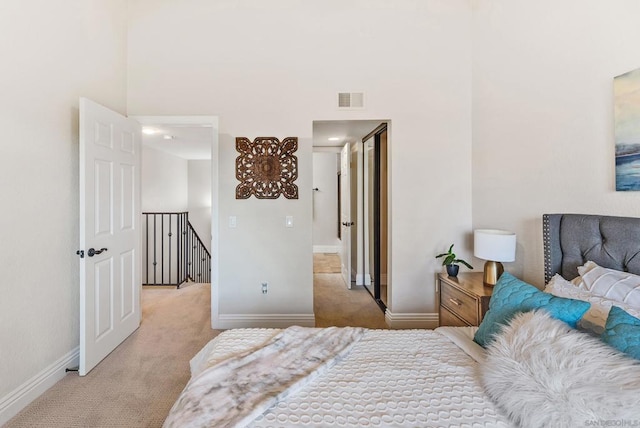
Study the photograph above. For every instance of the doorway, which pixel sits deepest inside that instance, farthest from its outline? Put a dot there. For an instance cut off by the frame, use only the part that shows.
(360, 173)
(110, 188)
(191, 143)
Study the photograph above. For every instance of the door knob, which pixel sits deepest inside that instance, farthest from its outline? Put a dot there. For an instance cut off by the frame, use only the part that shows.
(92, 251)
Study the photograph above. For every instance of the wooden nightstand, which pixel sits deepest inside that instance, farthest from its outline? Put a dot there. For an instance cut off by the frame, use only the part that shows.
(463, 299)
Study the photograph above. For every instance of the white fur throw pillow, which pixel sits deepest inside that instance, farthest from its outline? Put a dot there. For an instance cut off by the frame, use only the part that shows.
(542, 373)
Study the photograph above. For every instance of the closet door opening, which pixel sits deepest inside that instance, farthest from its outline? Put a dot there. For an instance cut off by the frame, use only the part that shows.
(375, 161)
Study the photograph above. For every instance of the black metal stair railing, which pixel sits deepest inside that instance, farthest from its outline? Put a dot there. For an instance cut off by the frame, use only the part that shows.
(172, 250)
(199, 258)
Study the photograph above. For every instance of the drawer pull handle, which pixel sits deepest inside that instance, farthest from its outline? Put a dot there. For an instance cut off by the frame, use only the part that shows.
(455, 302)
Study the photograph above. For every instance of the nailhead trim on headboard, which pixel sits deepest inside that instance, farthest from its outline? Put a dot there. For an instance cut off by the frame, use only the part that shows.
(547, 247)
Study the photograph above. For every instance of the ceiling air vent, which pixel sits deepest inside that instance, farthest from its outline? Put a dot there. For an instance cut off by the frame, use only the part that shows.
(350, 99)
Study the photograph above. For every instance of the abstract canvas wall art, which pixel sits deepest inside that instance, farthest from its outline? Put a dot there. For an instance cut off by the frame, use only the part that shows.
(626, 91)
(267, 168)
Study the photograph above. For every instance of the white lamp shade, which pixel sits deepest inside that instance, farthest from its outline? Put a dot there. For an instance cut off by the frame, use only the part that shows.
(494, 245)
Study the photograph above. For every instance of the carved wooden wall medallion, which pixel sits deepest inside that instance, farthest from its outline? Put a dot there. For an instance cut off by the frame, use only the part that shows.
(267, 168)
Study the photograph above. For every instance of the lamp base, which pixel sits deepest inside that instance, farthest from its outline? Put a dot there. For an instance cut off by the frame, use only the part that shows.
(492, 271)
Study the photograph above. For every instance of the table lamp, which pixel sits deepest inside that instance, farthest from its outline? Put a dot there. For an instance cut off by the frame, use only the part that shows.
(494, 246)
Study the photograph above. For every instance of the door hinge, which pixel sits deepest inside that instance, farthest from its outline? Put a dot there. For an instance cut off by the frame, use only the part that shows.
(80, 253)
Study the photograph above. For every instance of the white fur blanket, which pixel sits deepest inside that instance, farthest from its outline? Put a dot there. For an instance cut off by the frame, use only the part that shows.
(544, 374)
(234, 392)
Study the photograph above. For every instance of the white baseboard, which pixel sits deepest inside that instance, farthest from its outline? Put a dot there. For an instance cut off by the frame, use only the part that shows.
(326, 249)
(411, 320)
(19, 398)
(227, 321)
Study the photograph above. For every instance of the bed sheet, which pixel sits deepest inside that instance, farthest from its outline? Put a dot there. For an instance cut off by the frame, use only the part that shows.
(420, 378)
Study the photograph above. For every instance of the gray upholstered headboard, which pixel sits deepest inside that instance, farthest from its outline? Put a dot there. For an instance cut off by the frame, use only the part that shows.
(572, 239)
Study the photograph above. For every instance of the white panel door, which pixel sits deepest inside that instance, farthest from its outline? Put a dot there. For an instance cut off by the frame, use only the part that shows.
(345, 215)
(109, 231)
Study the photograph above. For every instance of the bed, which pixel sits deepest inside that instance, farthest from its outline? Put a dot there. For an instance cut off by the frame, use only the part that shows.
(533, 361)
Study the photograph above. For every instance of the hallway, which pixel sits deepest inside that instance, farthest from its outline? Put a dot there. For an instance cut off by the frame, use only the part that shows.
(334, 304)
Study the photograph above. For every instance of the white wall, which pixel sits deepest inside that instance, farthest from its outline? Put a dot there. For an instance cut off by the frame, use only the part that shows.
(219, 58)
(200, 199)
(52, 53)
(325, 201)
(543, 114)
(165, 182)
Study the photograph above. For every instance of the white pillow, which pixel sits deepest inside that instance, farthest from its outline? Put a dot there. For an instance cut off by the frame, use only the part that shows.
(611, 284)
(577, 281)
(595, 318)
(542, 373)
(587, 267)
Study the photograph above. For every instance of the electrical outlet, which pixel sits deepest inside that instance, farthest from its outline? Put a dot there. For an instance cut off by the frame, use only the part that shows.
(265, 287)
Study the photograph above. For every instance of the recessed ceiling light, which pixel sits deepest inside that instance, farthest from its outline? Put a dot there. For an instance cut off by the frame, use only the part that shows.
(334, 138)
(149, 131)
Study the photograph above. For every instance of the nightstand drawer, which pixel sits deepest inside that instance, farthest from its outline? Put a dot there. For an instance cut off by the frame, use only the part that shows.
(463, 305)
(463, 299)
(448, 319)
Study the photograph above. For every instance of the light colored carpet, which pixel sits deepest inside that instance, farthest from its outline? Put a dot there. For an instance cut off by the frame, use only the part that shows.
(335, 305)
(136, 385)
(326, 263)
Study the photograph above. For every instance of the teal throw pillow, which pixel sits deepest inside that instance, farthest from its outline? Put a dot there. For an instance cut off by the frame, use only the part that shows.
(622, 331)
(512, 296)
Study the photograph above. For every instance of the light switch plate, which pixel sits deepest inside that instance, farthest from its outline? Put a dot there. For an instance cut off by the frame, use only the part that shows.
(233, 222)
(289, 221)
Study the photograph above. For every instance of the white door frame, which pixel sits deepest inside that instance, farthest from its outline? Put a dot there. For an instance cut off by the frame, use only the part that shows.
(205, 121)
